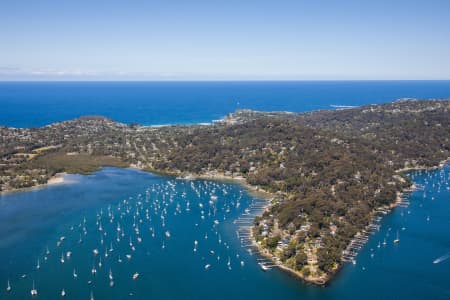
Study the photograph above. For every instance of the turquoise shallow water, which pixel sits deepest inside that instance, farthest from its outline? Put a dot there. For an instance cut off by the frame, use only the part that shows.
(34, 220)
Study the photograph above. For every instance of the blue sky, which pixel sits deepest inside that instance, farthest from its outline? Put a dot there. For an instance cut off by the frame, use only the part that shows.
(224, 40)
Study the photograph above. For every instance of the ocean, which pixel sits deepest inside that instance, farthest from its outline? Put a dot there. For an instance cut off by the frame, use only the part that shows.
(31, 104)
(185, 239)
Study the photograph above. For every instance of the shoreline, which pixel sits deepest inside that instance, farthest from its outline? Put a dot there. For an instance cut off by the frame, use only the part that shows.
(267, 196)
(387, 209)
(59, 178)
(440, 165)
(217, 176)
(324, 280)
(276, 263)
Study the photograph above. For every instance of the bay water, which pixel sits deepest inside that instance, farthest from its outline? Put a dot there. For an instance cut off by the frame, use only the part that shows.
(189, 246)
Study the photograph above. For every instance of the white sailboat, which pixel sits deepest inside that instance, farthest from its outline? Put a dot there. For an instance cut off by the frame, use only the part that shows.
(195, 245)
(8, 287)
(397, 240)
(33, 291)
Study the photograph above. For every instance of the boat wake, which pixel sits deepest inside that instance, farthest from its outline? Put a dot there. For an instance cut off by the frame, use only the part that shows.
(442, 258)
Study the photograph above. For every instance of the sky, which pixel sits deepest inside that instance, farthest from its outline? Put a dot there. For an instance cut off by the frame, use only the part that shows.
(224, 40)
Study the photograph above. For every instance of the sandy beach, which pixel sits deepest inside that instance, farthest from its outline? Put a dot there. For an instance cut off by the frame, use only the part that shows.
(57, 179)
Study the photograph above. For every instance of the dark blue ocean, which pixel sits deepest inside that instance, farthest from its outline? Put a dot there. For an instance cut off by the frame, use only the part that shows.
(30, 104)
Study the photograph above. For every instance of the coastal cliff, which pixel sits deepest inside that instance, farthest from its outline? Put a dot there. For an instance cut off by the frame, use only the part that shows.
(328, 172)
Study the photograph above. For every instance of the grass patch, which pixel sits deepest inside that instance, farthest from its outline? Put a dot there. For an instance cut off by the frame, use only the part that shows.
(74, 163)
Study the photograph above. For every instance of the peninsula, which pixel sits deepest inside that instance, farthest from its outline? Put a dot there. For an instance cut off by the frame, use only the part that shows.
(328, 173)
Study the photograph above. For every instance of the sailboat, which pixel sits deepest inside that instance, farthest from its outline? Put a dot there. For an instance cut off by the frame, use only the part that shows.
(63, 293)
(38, 266)
(8, 288)
(33, 290)
(195, 245)
(75, 275)
(397, 239)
